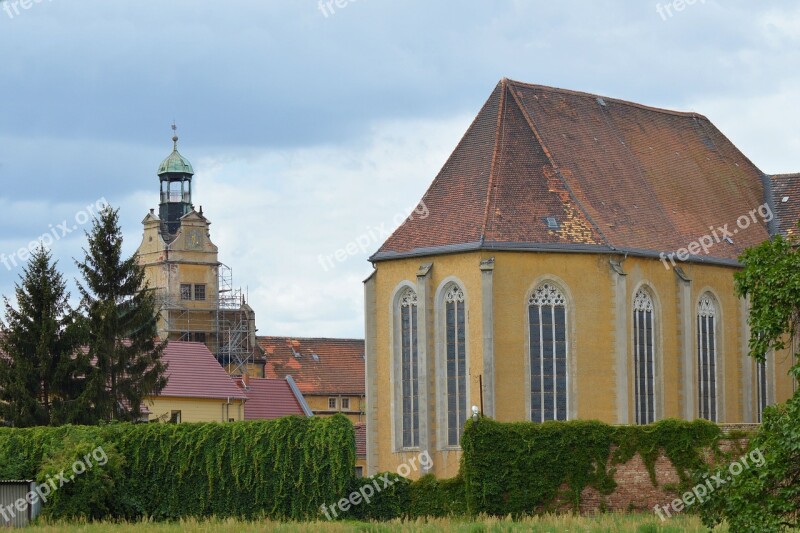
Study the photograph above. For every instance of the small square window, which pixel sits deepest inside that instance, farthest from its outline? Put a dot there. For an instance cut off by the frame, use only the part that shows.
(175, 417)
(331, 403)
(345, 403)
(186, 291)
(359, 471)
(199, 292)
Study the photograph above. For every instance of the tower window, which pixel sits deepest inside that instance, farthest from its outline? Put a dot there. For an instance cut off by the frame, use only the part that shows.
(186, 291)
(199, 292)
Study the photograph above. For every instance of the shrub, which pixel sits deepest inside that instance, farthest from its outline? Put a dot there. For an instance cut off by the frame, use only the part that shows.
(521, 468)
(763, 498)
(281, 468)
(80, 478)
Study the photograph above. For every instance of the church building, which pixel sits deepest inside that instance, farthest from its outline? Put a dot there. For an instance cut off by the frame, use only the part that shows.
(577, 263)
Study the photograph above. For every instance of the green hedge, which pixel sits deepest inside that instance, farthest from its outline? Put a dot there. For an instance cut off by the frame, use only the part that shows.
(522, 468)
(280, 468)
(425, 497)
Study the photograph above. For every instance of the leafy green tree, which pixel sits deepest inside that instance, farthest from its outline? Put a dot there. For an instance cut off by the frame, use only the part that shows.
(41, 373)
(771, 279)
(121, 320)
(765, 496)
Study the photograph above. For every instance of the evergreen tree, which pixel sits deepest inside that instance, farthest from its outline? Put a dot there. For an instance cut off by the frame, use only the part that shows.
(41, 371)
(121, 320)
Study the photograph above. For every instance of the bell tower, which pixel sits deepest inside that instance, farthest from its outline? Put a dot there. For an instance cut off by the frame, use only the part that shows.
(175, 178)
(194, 291)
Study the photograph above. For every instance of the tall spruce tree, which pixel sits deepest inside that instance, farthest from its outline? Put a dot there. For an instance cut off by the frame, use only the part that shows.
(121, 320)
(42, 370)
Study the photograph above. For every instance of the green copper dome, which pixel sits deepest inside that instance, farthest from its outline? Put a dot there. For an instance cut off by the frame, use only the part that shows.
(175, 163)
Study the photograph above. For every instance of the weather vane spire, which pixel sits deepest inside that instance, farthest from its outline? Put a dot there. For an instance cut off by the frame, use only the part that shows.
(174, 136)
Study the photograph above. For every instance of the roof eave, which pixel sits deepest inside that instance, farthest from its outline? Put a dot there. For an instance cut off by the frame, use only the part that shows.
(544, 247)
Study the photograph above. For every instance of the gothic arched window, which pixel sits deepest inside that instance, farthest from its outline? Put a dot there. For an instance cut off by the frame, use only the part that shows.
(547, 326)
(707, 358)
(409, 374)
(644, 361)
(456, 363)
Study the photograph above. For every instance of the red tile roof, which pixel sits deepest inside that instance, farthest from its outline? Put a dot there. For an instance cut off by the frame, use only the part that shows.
(786, 186)
(338, 367)
(615, 176)
(361, 440)
(270, 398)
(194, 372)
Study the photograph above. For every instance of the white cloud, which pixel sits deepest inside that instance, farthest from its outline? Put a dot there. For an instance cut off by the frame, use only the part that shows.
(274, 213)
(762, 127)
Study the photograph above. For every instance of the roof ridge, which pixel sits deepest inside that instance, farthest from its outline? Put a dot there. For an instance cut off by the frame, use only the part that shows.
(687, 114)
(532, 125)
(308, 338)
(501, 106)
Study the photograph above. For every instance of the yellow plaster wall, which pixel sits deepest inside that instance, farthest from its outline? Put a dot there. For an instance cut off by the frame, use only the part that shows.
(196, 409)
(592, 329)
(319, 406)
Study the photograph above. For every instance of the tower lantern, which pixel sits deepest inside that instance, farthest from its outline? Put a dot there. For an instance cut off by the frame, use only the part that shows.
(175, 178)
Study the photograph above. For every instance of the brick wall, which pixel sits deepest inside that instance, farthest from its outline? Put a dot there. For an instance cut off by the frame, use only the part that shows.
(635, 490)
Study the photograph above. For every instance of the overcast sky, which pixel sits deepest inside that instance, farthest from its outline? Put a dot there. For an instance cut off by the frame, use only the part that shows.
(312, 127)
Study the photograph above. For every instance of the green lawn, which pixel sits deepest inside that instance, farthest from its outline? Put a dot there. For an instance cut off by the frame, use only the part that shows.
(611, 523)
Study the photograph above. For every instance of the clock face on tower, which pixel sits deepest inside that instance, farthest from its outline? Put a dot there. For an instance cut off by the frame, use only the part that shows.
(194, 239)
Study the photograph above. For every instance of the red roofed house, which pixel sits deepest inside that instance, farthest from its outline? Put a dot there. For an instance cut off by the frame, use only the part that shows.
(198, 388)
(575, 261)
(328, 372)
(272, 398)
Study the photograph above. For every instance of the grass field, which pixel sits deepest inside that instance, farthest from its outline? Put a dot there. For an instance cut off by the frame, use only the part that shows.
(611, 523)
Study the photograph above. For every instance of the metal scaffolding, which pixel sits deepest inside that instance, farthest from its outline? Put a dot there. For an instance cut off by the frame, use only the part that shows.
(223, 321)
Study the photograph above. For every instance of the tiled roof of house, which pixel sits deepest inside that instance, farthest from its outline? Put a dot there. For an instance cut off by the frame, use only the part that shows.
(786, 197)
(193, 372)
(361, 440)
(318, 366)
(270, 398)
(610, 175)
